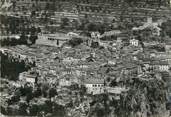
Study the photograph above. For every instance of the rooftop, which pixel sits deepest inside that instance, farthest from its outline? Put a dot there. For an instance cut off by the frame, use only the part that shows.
(94, 81)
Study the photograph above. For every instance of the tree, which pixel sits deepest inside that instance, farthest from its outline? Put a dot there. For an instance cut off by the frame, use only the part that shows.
(47, 6)
(45, 88)
(91, 27)
(23, 108)
(34, 109)
(52, 92)
(14, 99)
(75, 42)
(75, 24)
(64, 22)
(74, 86)
(29, 94)
(33, 39)
(94, 44)
(33, 30)
(84, 22)
(82, 90)
(23, 92)
(131, 1)
(101, 28)
(113, 83)
(53, 6)
(38, 92)
(23, 38)
(13, 5)
(58, 111)
(17, 93)
(38, 30)
(166, 28)
(49, 106)
(33, 13)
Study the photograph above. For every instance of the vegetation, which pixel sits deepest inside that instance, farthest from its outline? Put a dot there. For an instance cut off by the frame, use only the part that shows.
(10, 67)
(75, 41)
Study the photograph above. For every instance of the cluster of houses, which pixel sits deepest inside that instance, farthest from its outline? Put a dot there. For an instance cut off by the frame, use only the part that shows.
(120, 54)
(67, 66)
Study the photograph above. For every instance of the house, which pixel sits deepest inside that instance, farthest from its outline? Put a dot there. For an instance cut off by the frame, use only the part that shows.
(111, 35)
(67, 71)
(52, 79)
(128, 68)
(28, 77)
(70, 60)
(95, 35)
(115, 92)
(94, 86)
(65, 82)
(149, 26)
(68, 80)
(166, 75)
(163, 66)
(164, 56)
(159, 66)
(168, 46)
(134, 42)
(72, 34)
(56, 40)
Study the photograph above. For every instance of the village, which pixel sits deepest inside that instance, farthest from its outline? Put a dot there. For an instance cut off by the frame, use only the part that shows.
(78, 65)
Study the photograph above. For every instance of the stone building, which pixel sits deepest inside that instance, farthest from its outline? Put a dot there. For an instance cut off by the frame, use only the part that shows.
(52, 39)
(94, 86)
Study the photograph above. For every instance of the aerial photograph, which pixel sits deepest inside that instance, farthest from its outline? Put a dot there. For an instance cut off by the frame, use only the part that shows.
(85, 58)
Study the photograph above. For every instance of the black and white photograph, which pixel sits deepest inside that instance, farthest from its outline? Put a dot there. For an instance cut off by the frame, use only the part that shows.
(85, 58)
